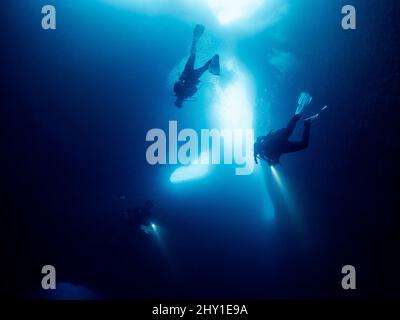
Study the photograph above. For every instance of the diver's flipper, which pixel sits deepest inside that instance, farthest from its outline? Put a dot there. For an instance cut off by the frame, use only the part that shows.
(198, 31)
(304, 100)
(214, 66)
(324, 108)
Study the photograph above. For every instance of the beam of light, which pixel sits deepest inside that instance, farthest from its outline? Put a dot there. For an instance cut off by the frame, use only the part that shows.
(268, 207)
(157, 233)
(285, 194)
(194, 171)
(233, 106)
(228, 11)
(233, 100)
(233, 109)
(291, 205)
(282, 189)
(155, 230)
(277, 178)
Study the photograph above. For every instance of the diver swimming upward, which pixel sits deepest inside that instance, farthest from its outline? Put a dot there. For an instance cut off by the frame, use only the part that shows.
(186, 86)
(270, 147)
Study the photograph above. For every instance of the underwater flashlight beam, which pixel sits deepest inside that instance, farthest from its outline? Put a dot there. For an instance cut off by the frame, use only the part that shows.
(277, 177)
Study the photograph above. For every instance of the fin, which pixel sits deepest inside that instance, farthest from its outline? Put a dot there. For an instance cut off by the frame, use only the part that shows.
(214, 66)
(304, 100)
(198, 31)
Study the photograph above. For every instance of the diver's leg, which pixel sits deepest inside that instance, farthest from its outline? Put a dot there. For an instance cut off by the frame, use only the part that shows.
(199, 72)
(305, 141)
(193, 48)
(301, 145)
(290, 126)
(189, 66)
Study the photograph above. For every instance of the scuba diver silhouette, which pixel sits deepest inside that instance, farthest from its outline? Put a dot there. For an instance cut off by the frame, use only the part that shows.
(186, 86)
(270, 147)
(140, 217)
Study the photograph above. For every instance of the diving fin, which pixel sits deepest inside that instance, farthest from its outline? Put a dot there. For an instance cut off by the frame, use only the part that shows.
(315, 116)
(324, 108)
(304, 100)
(198, 31)
(214, 66)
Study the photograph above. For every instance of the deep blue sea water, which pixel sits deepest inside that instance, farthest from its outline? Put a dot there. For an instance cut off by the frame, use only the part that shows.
(78, 101)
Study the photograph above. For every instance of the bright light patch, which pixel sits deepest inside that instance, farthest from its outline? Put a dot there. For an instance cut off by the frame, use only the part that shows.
(191, 172)
(157, 233)
(286, 196)
(277, 178)
(248, 14)
(228, 11)
(233, 101)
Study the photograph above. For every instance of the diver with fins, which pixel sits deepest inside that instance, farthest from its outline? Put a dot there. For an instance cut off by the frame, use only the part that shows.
(186, 86)
(269, 148)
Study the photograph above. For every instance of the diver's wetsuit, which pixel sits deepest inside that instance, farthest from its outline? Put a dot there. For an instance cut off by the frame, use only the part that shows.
(191, 76)
(187, 84)
(274, 146)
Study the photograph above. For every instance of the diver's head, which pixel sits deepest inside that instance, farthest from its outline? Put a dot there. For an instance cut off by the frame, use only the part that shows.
(148, 205)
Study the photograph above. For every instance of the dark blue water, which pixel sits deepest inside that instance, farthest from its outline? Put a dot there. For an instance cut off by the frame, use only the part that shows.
(77, 103)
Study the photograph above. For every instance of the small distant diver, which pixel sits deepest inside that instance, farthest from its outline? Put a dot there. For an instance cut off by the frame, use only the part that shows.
(269, 148)
(141, 217)
(186, 86)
